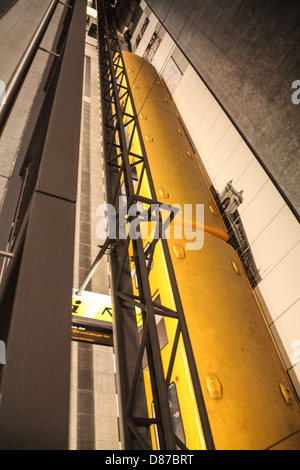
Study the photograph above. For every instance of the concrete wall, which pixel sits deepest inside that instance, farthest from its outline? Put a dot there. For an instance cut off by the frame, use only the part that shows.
(93, 402)
(91, 190)
(93, 398)
(271, 227)
(248, 55)
(5, 6)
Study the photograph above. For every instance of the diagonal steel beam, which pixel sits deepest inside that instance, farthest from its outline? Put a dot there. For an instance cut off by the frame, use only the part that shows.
(114, 82)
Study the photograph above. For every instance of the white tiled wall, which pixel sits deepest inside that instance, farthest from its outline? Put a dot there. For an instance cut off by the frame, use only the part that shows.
(163, 52)
(283, 226)
(106, 410)
(272, 229)
(280, 287)
(263, 208)
(288, 336)
(106, 430)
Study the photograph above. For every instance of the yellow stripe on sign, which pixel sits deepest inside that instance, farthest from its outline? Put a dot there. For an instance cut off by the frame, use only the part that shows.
(92, 305)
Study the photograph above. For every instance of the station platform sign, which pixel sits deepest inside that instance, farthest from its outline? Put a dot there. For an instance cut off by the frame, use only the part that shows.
(92, 318)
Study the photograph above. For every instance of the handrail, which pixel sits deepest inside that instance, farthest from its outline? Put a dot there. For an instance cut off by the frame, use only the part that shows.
(18, 77)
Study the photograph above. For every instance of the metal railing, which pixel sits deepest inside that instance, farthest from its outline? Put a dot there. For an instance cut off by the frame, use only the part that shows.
(29, 170)
(17, 79)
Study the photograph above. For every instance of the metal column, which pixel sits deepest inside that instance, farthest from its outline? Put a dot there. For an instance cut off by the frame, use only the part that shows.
(36, 288)
(120, 162)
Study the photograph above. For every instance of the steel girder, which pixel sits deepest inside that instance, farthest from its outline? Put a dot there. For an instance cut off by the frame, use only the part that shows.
(119, 128)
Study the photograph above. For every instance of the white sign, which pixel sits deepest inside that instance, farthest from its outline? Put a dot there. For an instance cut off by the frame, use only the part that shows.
(92, 305)
(2, 353)
(91, 12)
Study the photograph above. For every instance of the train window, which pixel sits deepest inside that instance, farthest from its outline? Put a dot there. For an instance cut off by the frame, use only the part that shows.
(123, 189)
(161, 332)
(149, 266)
(134, 174)
(155, 426)
(175, 416)
(175, 412)
(161, 327)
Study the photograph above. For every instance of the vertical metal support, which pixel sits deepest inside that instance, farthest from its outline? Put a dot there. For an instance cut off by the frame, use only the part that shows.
(167, 439)
(5, 254)
(19, 75)
(35, 296)
(119, 159)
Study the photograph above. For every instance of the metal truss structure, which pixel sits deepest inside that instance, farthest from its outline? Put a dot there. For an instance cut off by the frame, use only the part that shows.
(124, 171)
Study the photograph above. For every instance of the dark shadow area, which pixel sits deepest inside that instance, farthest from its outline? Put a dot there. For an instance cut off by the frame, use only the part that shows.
(5, 6)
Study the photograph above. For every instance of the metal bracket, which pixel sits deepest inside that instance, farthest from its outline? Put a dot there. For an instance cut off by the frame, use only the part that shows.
(49, 52)
(5, 254)
(65, 5)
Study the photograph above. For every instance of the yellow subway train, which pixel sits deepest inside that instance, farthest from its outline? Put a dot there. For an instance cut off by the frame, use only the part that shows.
(249, 399)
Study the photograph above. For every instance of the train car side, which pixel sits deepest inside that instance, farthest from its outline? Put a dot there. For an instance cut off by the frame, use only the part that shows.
(248, 396)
